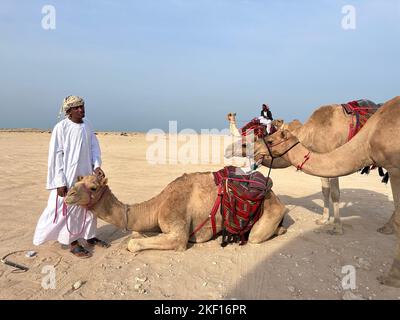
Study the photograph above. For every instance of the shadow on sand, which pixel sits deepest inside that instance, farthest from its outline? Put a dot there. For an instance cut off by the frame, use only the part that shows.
(308, 263)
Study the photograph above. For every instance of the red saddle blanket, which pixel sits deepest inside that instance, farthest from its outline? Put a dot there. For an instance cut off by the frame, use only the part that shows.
(257, 127)
(254, 126)
(361, 110)
(242, 198)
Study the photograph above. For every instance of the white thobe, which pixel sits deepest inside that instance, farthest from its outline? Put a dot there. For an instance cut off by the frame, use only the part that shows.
(74, 151)
(265, 122)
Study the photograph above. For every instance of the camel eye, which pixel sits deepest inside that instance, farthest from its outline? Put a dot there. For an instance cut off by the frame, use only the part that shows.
(93, 188)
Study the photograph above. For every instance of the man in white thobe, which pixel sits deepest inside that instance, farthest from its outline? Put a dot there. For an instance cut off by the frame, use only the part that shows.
(74, 151)
(266, 117)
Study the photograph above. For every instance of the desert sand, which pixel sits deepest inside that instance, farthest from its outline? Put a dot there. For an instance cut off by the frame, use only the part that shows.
(305, 263)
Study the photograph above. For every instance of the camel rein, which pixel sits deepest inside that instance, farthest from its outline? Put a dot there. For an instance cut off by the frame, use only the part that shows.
(269, 147)
(66, 214)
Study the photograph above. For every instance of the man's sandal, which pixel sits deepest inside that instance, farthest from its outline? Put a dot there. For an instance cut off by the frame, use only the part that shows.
(80, 252)
(97, 242)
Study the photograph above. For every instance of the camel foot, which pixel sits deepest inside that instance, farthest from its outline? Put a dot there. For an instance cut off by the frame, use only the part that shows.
(322, 221)
(389, 280)
(280, 231)
(386, 229)
(333, 229)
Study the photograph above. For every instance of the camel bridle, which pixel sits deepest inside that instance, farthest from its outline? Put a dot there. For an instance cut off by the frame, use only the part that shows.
(94, 195)
(269, 147)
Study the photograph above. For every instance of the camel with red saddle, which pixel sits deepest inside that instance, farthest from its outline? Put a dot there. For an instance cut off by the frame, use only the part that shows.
(181, 212)
(376, 144)
(328, 128)
(231, 116)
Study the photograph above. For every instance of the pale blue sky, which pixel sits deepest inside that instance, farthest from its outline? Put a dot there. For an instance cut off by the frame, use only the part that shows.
(139, 64)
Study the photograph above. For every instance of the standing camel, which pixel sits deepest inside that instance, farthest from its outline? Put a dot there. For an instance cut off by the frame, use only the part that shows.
(182, 206)
(232, 124)
(376, 144)
(326, 130)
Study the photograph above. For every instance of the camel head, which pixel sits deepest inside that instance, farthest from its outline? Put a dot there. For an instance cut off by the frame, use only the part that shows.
(245, 148)
(241, 148)
(274, 145)
(231, 117)
(292, 126)
(278, 123)
(86, 191)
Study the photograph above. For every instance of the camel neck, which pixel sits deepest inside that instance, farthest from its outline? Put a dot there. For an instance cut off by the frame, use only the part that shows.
(137, 217)
(340, 162)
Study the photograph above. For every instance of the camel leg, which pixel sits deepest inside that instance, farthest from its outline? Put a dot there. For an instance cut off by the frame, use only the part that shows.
(326, 193)
(163, 241)
(387, 228)
(269, 223)
(392, 278)
(335, 197)
(174, 237)
(136, 235)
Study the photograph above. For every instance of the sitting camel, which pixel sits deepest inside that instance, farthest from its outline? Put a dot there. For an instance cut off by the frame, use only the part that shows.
(181, 207)
(327, 129)
(376, 144)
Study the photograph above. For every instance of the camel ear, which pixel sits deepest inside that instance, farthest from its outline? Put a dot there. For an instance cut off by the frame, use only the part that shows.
(80, 178)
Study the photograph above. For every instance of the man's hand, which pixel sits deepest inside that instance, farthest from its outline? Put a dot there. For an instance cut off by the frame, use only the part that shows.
(99, 173)
(62, 191)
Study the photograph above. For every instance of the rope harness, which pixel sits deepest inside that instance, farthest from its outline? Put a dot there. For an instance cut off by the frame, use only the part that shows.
(269, 147)
(240, 200)
(93, 199)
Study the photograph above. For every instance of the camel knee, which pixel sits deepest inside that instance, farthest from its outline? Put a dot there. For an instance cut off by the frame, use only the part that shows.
(180, 241)
(260, 236)
(325, 187)
(265, 231)
(181, 247)
(280, 231)
(134, 246)
(136, 235)
(326, 192)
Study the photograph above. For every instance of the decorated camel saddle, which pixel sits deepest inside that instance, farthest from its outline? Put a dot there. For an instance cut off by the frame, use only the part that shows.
(241, 198)
(360, 110)
(257, 127)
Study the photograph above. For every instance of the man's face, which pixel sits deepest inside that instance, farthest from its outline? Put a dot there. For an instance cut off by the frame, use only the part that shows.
(77, 113)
